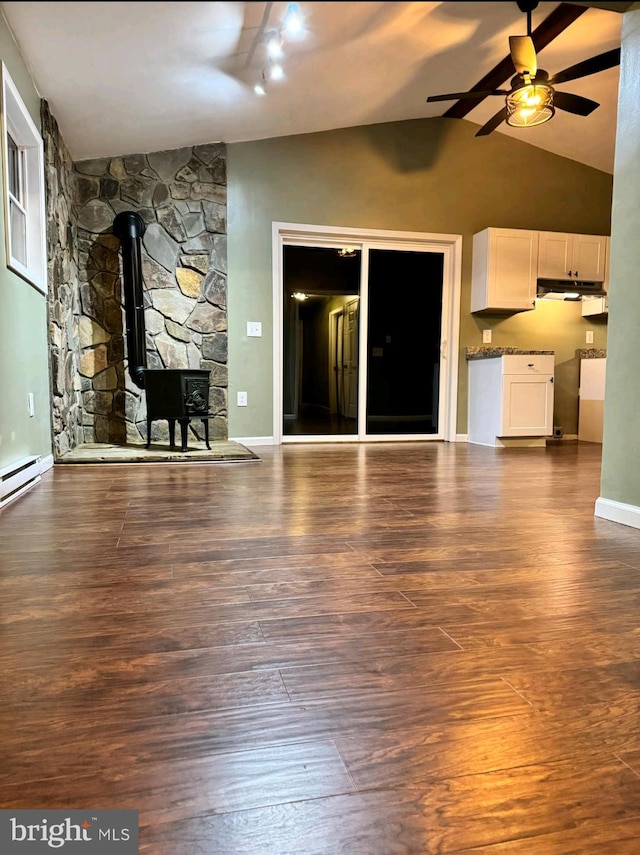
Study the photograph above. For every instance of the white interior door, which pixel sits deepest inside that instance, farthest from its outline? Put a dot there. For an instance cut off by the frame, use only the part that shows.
(350, 346)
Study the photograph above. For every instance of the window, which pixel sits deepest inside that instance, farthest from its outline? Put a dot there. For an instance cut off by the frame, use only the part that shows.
(23, 175)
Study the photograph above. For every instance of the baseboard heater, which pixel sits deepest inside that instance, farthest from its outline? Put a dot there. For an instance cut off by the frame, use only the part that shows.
(18, 478)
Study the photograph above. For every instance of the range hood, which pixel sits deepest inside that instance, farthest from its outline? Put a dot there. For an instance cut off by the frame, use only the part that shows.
(563, 289)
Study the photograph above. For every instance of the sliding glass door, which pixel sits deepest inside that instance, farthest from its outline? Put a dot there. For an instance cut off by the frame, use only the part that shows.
(403, 341)
(361, 342)
(321, 322)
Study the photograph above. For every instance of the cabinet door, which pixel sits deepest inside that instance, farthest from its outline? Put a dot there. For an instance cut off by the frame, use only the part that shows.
(569, 256)
(512, 268)
(555, 255)
(504, 270)
(527, 405)
(589, 257)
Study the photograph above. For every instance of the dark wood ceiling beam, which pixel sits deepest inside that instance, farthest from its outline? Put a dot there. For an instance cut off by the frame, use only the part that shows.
(554, 24)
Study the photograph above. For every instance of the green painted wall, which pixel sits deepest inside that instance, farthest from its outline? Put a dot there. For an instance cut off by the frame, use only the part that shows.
(428, 175)
(23, 321)
(621, 447)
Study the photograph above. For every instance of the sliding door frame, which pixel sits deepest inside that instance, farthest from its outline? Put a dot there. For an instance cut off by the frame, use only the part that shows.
(300, 234)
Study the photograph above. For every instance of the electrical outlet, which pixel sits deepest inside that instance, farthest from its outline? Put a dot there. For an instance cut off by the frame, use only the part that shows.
(32, 406)
(254, 329)
(589, 337)
(486, 336)
(242, 399)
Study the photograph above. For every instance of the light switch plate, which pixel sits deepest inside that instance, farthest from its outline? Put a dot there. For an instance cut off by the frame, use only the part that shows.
(589, 337)
(254, 329)
(242, 399)
(486, 336)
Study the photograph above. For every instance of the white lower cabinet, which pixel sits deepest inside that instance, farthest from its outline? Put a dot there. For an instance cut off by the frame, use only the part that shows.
(510, 397)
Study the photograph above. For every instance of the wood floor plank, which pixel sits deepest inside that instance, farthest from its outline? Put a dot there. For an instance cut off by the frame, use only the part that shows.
(619, 837)
(381, 823)
(208, 785)
(185, 653)
(555, 688)
(45, 620)
(419, 755)
(128, 642)
(141, 699)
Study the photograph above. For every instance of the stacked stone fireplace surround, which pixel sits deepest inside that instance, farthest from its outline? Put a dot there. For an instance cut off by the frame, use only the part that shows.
(181, 196)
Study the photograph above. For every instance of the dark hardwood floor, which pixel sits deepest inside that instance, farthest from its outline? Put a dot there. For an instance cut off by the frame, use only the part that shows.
(339, 650)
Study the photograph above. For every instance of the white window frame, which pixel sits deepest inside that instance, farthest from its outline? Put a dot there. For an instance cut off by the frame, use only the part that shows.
(17, 122)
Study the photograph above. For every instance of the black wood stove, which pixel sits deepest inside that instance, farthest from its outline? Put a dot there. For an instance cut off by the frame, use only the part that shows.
(177, 395)
(174, 394)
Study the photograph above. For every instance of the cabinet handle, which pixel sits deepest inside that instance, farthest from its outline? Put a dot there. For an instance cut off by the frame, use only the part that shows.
(530, 364)
(569, 273)
(551, 380)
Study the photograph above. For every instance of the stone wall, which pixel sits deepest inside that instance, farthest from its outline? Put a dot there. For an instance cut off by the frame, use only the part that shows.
(66, 327)
(181, 195)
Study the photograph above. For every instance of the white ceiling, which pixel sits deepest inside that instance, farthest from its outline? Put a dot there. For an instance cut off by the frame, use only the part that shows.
(131, 77)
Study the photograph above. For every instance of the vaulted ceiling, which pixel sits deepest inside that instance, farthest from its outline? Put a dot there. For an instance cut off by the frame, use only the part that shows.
(134, 77)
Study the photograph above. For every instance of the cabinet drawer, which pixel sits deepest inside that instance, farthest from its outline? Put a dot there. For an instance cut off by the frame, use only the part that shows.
(523, 364)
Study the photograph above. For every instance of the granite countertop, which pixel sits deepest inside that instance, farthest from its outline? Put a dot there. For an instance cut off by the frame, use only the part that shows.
(493, 352)
(592, 353)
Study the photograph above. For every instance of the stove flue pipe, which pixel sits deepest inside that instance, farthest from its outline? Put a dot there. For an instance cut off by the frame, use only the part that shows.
(129, 227)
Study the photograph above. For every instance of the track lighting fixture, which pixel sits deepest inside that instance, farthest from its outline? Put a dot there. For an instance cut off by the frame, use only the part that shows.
(291, 28)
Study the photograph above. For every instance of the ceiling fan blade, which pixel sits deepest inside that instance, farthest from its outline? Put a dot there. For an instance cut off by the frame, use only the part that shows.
(601, 62)
(574, 103)
(454, 96)
(493, 123)
(523, 54)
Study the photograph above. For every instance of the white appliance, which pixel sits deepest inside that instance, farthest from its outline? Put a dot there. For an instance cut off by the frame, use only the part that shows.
(591, 399)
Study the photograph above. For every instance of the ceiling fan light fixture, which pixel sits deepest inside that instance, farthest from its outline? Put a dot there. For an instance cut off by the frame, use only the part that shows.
(529, 105)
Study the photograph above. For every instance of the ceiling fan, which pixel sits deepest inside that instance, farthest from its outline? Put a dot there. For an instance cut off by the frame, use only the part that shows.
(532, 98)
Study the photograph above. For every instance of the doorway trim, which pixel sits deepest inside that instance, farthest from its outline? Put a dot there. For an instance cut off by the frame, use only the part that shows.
(450, 246)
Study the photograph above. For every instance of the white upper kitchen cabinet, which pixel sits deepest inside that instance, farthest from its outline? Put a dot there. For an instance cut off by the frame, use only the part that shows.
(573, 256)
(504, 270)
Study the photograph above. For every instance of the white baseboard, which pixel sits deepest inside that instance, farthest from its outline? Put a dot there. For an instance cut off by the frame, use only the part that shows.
(617, 512)
(462, 437)
(46, 463)
(18, 477)
(253, 440)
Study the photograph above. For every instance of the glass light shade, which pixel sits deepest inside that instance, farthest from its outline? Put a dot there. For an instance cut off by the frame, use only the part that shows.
(530, 105)
(275, 71)
(293, 23)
